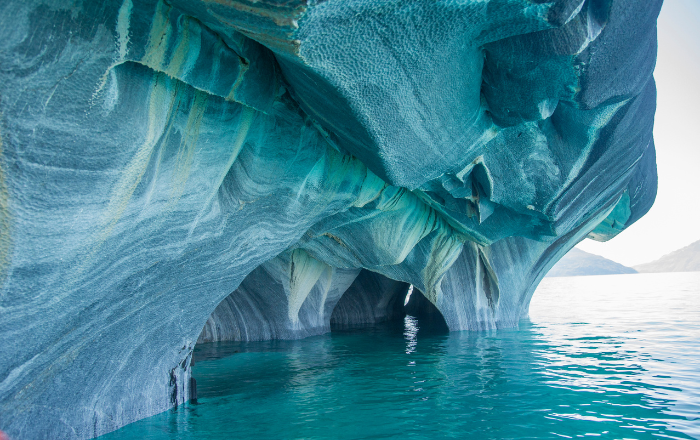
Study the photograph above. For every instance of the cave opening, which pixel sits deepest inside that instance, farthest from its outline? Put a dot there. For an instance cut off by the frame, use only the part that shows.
(374, 299)
(423, 313)
(259, 310)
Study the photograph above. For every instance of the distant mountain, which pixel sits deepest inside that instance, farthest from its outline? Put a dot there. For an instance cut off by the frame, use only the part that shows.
(578, 262)
(686, 259)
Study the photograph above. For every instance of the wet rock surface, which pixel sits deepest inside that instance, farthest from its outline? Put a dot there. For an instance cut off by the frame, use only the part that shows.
(240, 166)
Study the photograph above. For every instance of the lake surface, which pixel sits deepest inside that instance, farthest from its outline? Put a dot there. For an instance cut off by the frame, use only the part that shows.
(614, 356)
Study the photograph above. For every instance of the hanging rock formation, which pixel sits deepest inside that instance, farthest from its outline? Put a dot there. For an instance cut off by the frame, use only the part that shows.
(184, 169)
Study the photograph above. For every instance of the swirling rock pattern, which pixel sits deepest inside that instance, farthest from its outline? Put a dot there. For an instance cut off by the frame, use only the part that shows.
(264, 168)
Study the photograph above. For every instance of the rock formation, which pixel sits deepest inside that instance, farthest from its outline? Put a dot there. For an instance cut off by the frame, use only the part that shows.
(239, 165)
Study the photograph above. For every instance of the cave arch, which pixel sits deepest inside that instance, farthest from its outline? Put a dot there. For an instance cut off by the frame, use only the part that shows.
(262, 307)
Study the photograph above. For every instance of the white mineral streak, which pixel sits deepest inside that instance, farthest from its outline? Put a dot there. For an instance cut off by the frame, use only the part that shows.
(123, 28)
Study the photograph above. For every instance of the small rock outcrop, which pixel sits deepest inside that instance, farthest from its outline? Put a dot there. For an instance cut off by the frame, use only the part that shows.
(184, 170)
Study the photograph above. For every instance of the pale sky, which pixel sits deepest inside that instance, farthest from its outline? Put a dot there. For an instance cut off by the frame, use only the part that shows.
(674, 220)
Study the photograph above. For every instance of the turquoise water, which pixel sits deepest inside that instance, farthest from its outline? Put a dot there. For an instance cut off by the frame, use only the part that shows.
(608, 356)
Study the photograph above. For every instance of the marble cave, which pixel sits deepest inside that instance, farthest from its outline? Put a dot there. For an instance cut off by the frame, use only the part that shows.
(175, 171)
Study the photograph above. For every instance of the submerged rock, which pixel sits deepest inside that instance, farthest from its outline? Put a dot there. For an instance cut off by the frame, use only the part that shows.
(242, 165)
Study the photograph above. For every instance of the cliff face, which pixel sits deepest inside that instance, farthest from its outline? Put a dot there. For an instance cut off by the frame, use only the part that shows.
(242, 165)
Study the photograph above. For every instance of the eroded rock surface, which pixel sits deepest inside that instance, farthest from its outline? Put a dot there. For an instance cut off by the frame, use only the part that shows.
(261, 168)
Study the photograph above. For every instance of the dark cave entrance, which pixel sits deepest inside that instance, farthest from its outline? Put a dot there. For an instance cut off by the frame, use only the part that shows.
(374, 299)
(259, 309)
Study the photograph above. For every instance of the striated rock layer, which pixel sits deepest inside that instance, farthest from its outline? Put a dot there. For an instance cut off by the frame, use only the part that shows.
(186, 170)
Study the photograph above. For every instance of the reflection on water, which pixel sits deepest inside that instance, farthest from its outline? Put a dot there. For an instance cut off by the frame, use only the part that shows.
(613, 356)
(410, 332)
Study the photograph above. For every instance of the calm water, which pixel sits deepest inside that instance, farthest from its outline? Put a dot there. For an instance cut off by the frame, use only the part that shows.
(613, 356)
